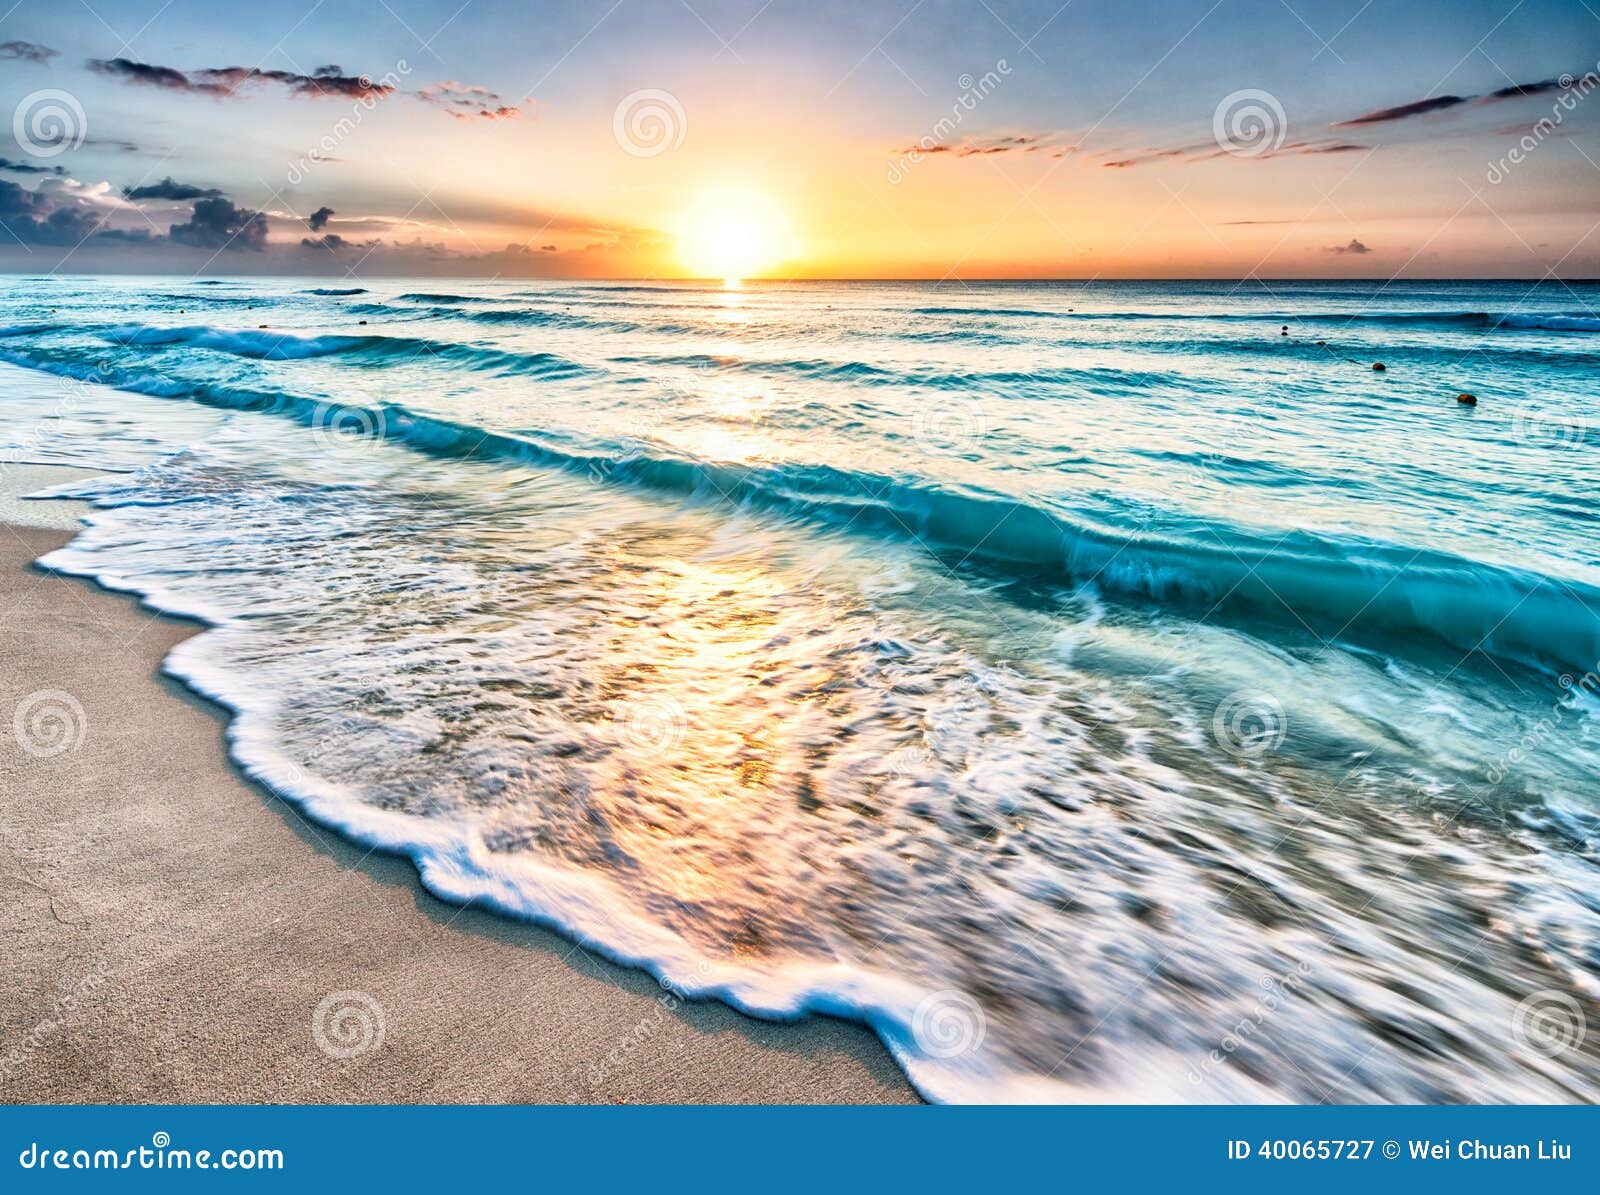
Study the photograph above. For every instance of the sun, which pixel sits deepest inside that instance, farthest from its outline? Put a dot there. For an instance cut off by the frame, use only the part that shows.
(733, 234)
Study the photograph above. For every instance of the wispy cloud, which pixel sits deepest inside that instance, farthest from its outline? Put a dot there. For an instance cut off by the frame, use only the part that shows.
(29, 167)
(329, 82)
(26, 51)
(1052, 144)
(467, 101)
(1401, 111)
(1517, 91)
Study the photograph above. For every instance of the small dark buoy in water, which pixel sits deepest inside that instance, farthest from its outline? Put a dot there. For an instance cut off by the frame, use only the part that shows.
(1378, 367)
(1322, 344)
(363, 323)
(1467, 400)
(261, 325)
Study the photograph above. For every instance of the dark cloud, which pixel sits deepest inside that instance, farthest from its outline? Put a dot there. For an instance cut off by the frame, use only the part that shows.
(29, 167)
(1401, 111)
(331, 241)
(26, 51)
(355, 87)
(227, 80)
(218, 224)
(146, 75)
(318, 218)
(466, 101)
(1588, 81)
(1354, 246)
(37, 218)
(1336, 147)
(169, 188)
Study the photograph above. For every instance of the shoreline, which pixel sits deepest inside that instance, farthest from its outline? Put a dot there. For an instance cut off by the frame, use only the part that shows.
(174, 940)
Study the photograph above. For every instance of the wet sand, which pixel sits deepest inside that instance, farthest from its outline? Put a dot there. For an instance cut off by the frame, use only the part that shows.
(172, 929)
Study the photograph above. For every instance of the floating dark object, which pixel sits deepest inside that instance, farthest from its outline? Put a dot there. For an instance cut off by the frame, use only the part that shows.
(1378, 367)
(363, 323)
(1322, 344)
(1467, 400)
(261, 325)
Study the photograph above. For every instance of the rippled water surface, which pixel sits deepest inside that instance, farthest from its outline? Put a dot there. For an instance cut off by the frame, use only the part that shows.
(1099, 691)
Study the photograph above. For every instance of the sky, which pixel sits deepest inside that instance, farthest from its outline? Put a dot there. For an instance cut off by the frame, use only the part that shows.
(945, 139)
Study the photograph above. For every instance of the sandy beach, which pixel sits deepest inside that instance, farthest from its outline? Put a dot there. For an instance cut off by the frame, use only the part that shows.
(172, 929)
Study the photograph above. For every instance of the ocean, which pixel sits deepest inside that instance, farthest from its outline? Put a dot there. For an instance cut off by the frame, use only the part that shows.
(1106, 691)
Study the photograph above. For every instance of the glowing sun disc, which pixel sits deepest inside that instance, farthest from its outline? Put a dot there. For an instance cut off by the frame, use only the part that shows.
(733, 235)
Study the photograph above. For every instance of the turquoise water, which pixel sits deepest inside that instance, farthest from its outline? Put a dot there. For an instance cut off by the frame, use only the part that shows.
(1107, 691)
